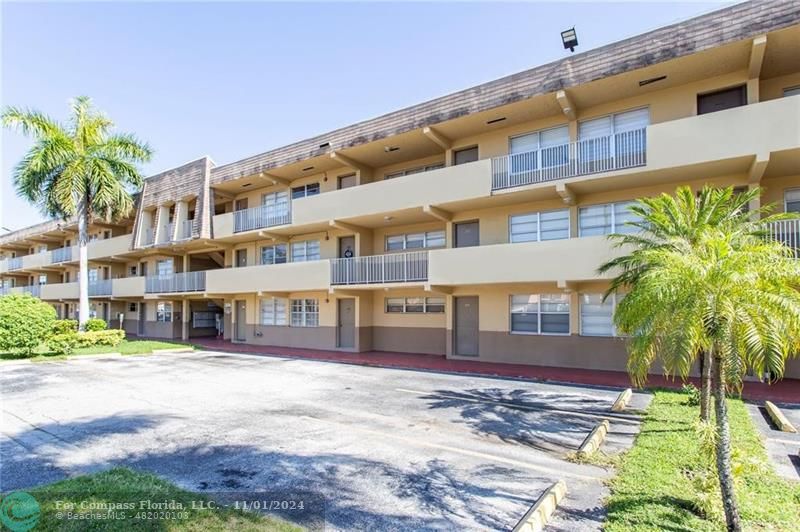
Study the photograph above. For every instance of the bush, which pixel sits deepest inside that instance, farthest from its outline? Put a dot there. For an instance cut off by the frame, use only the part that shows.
(24, 321)
(111, 337)
(63, 343)
(64, 326)
(693, 393)
(95, 324)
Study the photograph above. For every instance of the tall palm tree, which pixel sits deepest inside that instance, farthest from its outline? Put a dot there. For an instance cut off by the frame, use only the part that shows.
(80, 169)
(726, 291)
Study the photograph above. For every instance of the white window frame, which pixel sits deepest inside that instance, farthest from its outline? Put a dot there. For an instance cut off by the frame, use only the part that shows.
(540, 164)
(613, 299)
(613, 122)
(426, 302)
(164, 311)
(539, 332)
(171, 272)
(426, 236)
(414, 170)
(538, 226)
(308, 312)
(278, 307)
(786, 192)
(304, 189)
(304, 245)
(613, 205)
(274, 247)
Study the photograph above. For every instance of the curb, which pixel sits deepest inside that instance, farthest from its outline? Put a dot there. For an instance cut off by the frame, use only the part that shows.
(539, 514)
(594, 440)
(95, 355)
(173, 350)
(778, 418)
(622, 401)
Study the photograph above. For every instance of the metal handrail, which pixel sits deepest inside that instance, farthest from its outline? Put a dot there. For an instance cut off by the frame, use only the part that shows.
(101, 287)
(61, 255)
(787, 232)
(176, 282)
(390, 268)
(262, 216)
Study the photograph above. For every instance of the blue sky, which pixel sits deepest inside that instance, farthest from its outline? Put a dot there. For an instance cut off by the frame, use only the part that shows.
(230, 80)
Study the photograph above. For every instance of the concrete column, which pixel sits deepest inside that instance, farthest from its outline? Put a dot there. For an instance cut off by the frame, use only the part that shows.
(573, 221)
(753, 90)
(181, 215)
(162, 220)
(186, 315)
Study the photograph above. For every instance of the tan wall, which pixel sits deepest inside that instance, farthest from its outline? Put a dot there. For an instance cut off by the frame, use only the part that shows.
(289, 277)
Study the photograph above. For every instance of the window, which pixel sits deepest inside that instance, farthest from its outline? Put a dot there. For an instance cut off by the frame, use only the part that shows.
(597, 316)
(791, 200)
(416, 170)
(466, 155)
(606, 219)
(536, 226)
(305, 313)
(273, 254)
(132, 271)
(273, 311)
(540, 149)
(616, 135)
(305, 251)
(204, 319)
(43, 279)
(612, 124)
(540, 314)
(312, 189)
(164, 311)
(164, 268)
(721, 100)
(92, 276)
(131, 307)
(791, 91)
(415, 305)
(429, 239)
(275, 203)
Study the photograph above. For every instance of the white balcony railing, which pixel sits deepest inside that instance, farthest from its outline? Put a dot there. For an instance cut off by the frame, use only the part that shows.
(15, 263)
(149, 236)
(788, 232)
(260, 217)
(34, 290)
(602, 154)
(167, 231)
(61, 255)
(100, 288)
(176, 282)
(392, 268)
(186, 229)
(5, 290)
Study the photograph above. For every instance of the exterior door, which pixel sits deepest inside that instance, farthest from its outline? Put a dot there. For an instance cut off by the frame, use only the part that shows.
(347, 181)
(467, 234)
(241, 204)
(241, 258)
(466, 326)
(721, 100)
(142, 317)
(347, 247)
(143, 269)
(347, 323)
(241, 321)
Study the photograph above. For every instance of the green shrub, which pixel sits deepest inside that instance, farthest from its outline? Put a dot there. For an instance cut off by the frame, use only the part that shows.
(111, 337)
(64, 326)
(63, 343)
(693, 393)
(96, 324)
(24, 321)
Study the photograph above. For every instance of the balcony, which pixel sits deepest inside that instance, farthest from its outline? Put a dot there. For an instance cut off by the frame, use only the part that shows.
(376, 269)
(110, 247)
(166, 233)
(570, 259)
(100, 288)
(176, 282)
(59, 291)
(261, 217)
(787, 232)
(14, 264)
(61, 255)
(149, 236)
(589, 156)
(128, 287)
(34, 290)
(186, 230)
(288, 277)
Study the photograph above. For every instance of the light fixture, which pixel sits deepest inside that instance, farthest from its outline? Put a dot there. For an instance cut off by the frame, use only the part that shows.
(651, 80)
(495, 120)
(570, 39)
(389, 149)
(325, 145)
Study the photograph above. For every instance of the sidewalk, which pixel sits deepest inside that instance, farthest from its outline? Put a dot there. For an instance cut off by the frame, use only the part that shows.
(785, 391)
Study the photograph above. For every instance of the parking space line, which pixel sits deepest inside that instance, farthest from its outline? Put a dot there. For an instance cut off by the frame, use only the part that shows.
(457, 450)
(621, 418)
(781, 440)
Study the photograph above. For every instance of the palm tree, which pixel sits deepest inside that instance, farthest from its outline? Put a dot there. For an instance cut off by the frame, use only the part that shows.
(726, 291)
(80, 169)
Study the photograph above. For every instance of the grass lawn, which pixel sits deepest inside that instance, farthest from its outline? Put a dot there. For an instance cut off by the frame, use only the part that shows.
(122, 485)
(653, 489)
(126, 347)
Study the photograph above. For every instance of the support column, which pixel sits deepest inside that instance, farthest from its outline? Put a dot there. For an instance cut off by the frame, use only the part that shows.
(185, 314)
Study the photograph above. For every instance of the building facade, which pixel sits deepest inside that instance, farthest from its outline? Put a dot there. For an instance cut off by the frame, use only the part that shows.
(469, 226)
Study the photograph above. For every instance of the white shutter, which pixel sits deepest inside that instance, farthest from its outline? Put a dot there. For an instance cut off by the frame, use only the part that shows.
(525, 143)
(555, 136)
(598, 127)
(629, 120)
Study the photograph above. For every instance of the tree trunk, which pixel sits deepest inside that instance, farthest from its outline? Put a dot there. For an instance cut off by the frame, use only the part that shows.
(723, 444)
(705, 386)
(83, 254)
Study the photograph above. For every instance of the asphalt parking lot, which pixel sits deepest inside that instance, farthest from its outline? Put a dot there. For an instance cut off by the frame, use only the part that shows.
(384, 448)
(783, 448)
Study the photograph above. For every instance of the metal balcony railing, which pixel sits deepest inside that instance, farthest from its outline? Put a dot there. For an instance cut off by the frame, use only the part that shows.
(100, 288)
(166, 233)
(61, 255)
(260, 217)
(176, 282)
(186, 229)
(5, 290)
(589, 156)
(149, 236)
(788, 232)
(392, 268)
(15, 263)
(34, 290)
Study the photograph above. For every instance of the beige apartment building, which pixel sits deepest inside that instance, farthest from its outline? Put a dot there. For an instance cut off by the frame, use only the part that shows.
(469, 226)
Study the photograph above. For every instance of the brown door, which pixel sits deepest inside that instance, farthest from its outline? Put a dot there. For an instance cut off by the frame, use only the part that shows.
(142, 317)
(241, 320)
(347, 323)
(143, 269)
(467, 234)
(347, 247)
(241, 258)
(467, 155)
(721, 100)
(241, 204)
(466, 328)
(347, 181)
